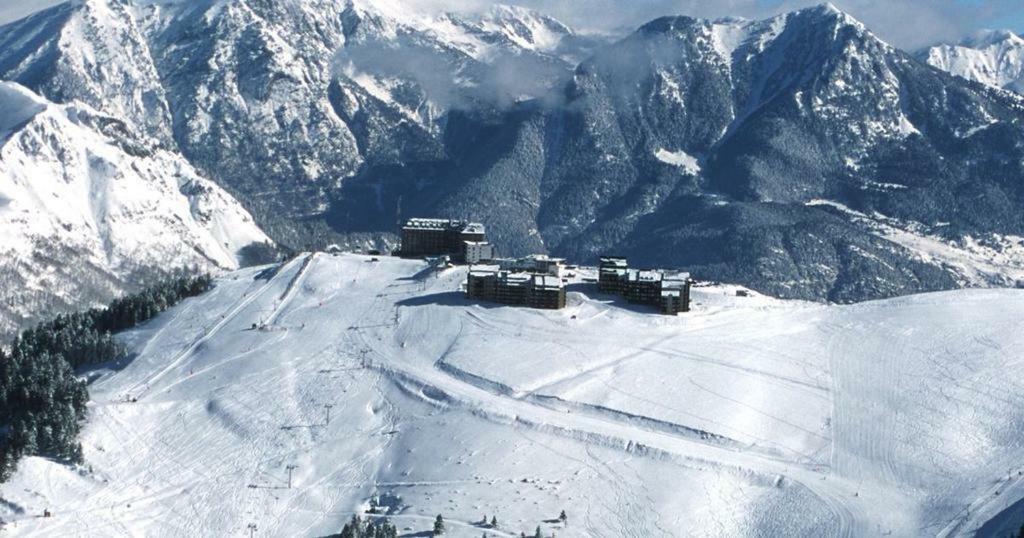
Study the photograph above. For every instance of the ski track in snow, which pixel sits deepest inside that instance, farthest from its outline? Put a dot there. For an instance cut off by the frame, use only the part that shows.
(225, 319)
(434, 402)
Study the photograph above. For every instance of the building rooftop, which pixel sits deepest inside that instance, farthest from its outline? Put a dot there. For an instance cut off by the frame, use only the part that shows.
(444, 224)
(547, 282)
(517, 278)
(430, 224)
(544, 258)
(645, 276)
(675, 280)
(473, 228)
(614, 261)
(484, 270)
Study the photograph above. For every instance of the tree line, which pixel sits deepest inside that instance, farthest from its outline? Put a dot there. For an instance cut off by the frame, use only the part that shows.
(42, 400)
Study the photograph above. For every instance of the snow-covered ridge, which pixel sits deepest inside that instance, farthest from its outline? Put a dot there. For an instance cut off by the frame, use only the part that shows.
(476, 35)
(92, 51)
(19, 106)
(453, 59)
(87, 203)
(995, 58)
(526, 28)
(748, 416)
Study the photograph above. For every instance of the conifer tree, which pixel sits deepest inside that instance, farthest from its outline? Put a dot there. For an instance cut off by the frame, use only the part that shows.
(438, 525)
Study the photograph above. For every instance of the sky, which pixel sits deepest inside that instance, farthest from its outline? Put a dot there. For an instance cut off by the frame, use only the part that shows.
(909, 24)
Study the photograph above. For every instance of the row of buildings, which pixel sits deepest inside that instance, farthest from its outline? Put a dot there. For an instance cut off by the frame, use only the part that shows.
(535, 281)
(669, 292)
(533, 290)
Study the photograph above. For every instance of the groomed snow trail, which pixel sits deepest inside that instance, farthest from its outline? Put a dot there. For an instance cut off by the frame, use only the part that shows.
(749, 416)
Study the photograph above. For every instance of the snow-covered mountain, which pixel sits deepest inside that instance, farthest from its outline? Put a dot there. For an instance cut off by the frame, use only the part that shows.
(746, 417)
(799, 154)
(272, 99)
(993, 57)
(88, 209)
(243, 85)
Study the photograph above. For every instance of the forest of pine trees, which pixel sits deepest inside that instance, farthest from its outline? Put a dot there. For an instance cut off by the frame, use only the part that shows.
(42, 401)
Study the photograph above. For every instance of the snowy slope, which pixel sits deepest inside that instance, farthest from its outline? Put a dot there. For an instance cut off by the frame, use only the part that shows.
(749, 416)
(88, 209)
(995, 58)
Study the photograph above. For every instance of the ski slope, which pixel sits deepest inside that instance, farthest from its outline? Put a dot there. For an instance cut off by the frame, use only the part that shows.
(747, 417)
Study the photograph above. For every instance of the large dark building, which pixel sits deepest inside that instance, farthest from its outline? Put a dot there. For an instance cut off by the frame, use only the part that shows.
(516, 289)
(463, 241)
(669, 292)
(611, 274)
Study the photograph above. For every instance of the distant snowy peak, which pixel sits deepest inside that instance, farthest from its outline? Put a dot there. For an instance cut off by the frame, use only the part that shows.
(992, 57)
(86, 205)
(418, 65)
(727, 36)
(526, 28)
(820, 59)
(478, 36)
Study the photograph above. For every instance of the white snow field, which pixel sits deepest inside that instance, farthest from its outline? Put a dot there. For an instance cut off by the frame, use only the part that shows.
(747, 417)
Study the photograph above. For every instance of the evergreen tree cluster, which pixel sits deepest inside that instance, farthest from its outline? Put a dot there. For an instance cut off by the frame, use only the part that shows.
(42, 402)
(369, 528)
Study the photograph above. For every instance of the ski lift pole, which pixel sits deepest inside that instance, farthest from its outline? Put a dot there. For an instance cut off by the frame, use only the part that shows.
(290, 469)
